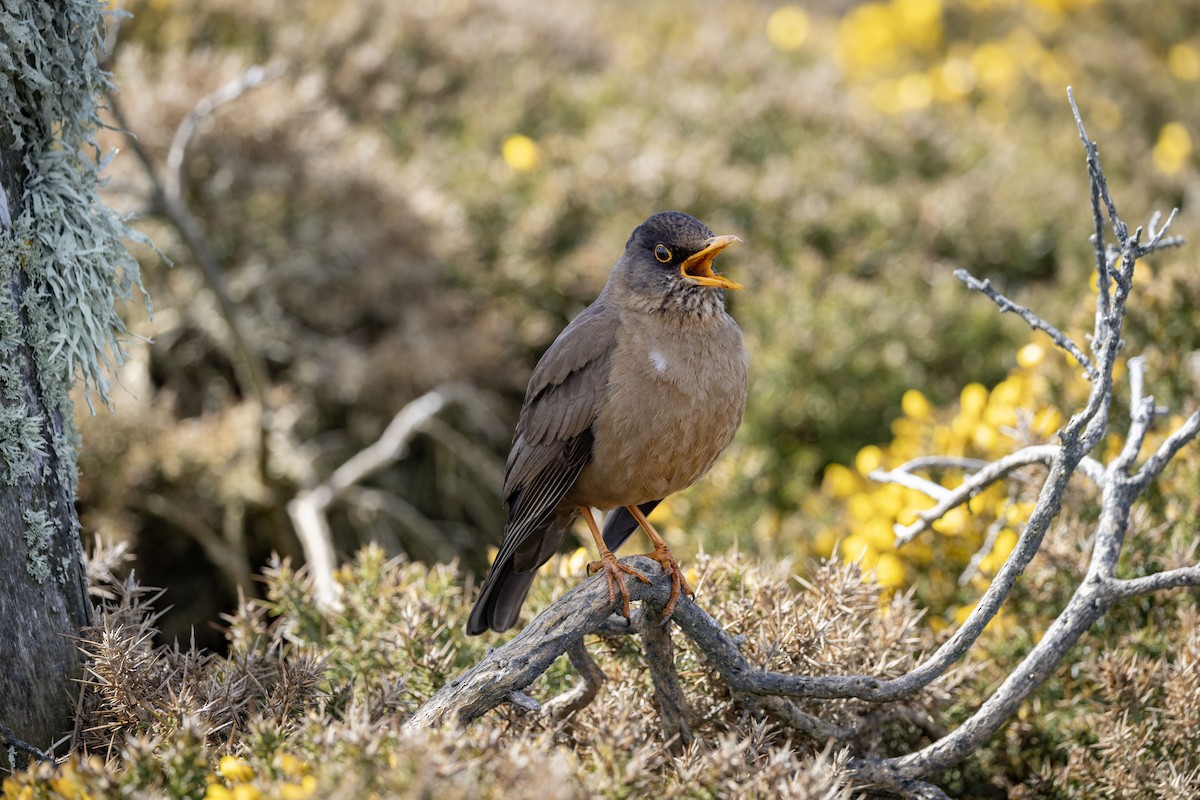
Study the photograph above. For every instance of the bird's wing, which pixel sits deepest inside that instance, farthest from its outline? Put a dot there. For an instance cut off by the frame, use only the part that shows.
(553, 440)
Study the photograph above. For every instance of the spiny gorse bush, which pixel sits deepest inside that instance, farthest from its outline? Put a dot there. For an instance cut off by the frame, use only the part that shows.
(310, 705)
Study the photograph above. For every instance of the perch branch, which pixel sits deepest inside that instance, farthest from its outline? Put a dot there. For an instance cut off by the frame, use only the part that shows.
(583, 610)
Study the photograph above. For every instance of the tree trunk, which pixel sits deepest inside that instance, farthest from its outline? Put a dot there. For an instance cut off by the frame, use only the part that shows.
(43, 589)
(63, 266)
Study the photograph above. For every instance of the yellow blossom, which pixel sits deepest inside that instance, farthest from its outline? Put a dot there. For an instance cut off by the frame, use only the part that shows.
(953, 79)
(217, 791)
(245, 791)
(291, 766)
(520, 152)
(890, 571)
(919, 22)
(236, 769)
(574, 563)
(985, 438)
(972, 401)
(788, 27)
(867, 38)
(995, 66)
(1030, 355)
(914, 405)
(856, 548)
(868, 459)
(955, 522)
(1183, 61)
(294, 791)
(840, 481)
(1172, 149)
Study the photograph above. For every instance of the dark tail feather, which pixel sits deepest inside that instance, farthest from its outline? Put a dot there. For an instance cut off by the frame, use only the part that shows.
(500, 599)
(620, 524)
(508, 581)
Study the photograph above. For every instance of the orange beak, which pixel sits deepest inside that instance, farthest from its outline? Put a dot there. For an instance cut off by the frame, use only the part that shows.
(698, 267)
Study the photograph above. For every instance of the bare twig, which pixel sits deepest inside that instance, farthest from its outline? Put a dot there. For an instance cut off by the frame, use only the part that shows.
(250, 368)
(989, 544)
(524, 702)
(174, 179)
(1033, 320)
(307, 509)
(942, 462)
(814, 728)
(973, 485)
(1154, 465)
(1167, 579)
(13, 745)
(909, 480)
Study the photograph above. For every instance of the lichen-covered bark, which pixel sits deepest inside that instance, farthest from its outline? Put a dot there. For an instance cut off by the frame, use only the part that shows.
(63, 264)
(43, 597)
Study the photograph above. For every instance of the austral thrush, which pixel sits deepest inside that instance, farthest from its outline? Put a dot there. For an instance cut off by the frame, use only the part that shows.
(634, 401)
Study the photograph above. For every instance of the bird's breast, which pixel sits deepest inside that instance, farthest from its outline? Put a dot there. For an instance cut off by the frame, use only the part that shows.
(676, 395)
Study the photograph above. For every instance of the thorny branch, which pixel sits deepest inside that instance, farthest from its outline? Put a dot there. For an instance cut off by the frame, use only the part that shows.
(585, 609)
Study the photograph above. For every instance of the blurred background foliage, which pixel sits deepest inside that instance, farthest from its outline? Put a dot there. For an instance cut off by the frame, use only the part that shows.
(427, 192)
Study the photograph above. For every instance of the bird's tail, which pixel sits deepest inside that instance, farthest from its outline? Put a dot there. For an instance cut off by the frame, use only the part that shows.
(500, 599)
(508, 581)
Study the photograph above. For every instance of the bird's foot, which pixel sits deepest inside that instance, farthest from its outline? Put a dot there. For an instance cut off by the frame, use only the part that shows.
(679, 585)
(614, 569)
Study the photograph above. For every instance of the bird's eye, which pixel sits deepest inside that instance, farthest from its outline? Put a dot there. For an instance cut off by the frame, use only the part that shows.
(662, 253)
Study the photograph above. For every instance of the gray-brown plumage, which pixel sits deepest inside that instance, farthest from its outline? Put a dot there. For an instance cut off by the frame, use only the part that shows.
(634, 401)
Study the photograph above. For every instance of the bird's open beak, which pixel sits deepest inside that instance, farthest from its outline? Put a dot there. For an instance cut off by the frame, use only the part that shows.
(698, 267)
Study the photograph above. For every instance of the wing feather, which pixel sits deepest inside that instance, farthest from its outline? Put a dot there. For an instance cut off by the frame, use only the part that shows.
(553, 440)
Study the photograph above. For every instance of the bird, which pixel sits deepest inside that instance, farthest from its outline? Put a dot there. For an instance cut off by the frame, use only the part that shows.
(635, 400)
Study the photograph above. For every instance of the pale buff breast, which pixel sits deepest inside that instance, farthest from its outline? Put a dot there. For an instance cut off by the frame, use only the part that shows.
(677, 391)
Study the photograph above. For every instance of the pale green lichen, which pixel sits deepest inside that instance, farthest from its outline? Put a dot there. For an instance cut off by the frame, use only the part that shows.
(39, 538)
(69, 246)
(49, 85)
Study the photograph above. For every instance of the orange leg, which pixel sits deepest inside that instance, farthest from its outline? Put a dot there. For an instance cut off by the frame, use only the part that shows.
(612, 568)
(663, 555)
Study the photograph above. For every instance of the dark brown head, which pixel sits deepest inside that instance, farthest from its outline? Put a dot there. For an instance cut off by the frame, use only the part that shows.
(667, 265)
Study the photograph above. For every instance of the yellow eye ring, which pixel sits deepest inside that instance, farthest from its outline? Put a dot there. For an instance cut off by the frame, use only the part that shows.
(662, 253)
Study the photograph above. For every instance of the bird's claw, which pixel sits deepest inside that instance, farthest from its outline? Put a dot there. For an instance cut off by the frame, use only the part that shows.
(679, 584)
(613, 570)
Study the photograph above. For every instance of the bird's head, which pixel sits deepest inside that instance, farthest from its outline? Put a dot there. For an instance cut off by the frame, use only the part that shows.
(667, 264)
